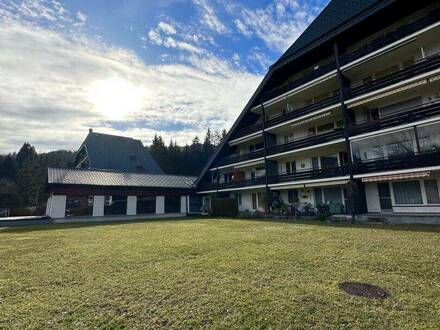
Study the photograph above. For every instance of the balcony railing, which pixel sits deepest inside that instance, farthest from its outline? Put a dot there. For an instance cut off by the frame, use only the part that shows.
(248, 130)
(306, 142)
(240, 158)
(310, 174)
(391, 37)
(402, 117)
(285, 116)
(233, 184)
(346, 58)
(407, 161)
(284, 88)
(207, 186)
(420, 67)
(302, 111)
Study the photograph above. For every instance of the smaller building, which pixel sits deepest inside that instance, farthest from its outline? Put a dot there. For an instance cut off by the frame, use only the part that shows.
(116, 176)
(97, 193)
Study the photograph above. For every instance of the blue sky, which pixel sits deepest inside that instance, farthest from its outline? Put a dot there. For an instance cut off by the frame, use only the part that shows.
(135, 68)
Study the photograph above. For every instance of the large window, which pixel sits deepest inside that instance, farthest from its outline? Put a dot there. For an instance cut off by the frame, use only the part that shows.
(432, 194)
(407, 192)
(385, 146)
(79, 206)
(115, 205)
(429, 137)
(146, 205)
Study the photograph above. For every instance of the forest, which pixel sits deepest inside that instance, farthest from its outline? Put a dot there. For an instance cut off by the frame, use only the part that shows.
(23, 174)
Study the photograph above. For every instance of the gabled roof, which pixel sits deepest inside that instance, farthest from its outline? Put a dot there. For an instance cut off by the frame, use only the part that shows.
(335, 15)
(89, 177)
(119, 153)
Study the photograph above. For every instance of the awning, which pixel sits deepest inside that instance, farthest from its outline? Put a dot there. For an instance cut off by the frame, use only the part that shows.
(401, 176)
(327, 183)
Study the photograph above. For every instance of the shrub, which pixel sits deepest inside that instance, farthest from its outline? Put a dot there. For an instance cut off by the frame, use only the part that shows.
(224, 207)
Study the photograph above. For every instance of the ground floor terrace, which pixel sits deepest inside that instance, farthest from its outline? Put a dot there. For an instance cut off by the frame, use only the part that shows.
(408, 191)
(217, 273)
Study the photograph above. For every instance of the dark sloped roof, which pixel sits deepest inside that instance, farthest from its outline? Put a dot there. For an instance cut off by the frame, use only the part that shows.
(119, 153)
(335, 14)
(89, 177)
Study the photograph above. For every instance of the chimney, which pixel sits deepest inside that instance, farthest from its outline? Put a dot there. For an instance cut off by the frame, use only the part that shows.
(90, 130)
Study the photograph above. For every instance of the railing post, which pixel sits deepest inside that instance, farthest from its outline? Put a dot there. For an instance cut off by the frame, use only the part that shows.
(263, 112)
(341, 81)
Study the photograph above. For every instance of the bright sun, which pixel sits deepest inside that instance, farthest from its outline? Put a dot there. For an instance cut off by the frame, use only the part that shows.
(115, 98)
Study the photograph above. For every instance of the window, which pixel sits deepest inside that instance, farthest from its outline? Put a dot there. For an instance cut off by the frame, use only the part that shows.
(432, 194)
(429, 137)
(291, 167)
(387, 145)
(318, 196)
(330, 161)
(146, 205)
(254, 201)
(407, 192)
(238, 198)
(115, 205)
(79, 206)
(292, 196)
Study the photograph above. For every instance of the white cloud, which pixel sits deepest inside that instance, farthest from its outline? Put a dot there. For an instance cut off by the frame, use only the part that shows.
(279, 24)
(242, 28)
(257, 55)
(55, 86)
(81, 17)
(209, 17)
(155, 37)
(166, 28)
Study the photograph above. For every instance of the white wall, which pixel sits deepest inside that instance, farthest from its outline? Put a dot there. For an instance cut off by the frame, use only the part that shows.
(183, 204)
(131, 205)
(58, 206)
(160, 204)
(372, 197)
(98, 206)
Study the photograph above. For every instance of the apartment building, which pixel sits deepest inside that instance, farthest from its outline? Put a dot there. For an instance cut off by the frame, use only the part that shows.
(349, 116)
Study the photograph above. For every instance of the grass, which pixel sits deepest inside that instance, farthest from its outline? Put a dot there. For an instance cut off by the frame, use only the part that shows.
(217, 274)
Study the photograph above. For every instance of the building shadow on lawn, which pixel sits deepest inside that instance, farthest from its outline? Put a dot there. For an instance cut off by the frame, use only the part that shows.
(316, 223)
(76, 225)
(429, 228)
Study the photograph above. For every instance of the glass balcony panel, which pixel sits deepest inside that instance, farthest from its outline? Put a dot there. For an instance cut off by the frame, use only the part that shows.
(384, 146)
(429, 137)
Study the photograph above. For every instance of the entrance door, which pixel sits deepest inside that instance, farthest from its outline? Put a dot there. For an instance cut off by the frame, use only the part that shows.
(384, 196)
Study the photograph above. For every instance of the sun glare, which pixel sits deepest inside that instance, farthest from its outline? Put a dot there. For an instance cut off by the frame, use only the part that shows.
(116, 98)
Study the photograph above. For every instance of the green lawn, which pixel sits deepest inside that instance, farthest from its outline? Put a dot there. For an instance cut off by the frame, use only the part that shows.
(217, 273)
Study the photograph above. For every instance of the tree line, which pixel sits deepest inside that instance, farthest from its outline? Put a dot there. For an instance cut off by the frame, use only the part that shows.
(188, 159)
(23, 174)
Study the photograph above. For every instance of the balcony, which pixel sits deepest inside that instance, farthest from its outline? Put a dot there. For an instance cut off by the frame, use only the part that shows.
(422, 66)
(302, 111)
(310, 174)
(376, 44)
(240, 158)
(284, 88)
(306, 142)
(248, 130)
(286, 116)
(402, 117)
(258, 181)
(407, 161)
(390, 37)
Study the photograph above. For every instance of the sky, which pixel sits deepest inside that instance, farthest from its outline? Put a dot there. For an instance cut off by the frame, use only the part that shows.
(135, 67)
